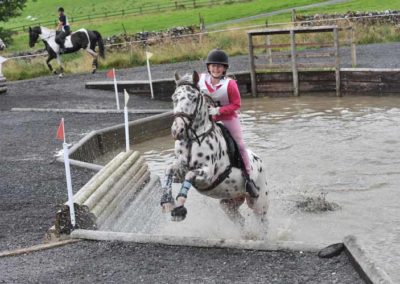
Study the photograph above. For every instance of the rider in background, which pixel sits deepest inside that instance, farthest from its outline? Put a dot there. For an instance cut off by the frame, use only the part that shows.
(226, 96)
(63, 26)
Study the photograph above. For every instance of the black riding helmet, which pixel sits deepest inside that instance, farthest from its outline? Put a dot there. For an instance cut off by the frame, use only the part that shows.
(217, 56)
(61, 9)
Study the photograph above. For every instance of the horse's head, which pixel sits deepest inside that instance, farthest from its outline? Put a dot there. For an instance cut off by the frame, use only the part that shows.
(190, 108)
(34, 35)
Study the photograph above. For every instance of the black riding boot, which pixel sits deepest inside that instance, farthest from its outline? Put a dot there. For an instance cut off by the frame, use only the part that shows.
(251, 187)
(62, 48)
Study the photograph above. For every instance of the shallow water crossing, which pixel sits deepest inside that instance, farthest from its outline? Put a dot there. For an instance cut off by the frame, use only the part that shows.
(333, 169)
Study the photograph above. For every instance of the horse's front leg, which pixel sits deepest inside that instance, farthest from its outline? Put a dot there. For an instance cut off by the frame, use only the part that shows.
(175, 173)
(199, 175)
(95, 58)
(49, 65)
(167, 201)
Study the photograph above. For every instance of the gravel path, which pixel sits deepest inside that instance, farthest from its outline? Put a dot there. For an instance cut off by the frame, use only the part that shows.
(32, 186)
(114, 262)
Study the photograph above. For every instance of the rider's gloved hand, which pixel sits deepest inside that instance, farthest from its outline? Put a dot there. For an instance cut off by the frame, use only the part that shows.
(213, 110)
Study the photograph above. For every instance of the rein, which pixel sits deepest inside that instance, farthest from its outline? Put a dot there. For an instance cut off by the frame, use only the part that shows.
(188, 126)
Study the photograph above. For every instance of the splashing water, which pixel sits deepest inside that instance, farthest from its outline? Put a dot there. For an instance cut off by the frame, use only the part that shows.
(342, 149)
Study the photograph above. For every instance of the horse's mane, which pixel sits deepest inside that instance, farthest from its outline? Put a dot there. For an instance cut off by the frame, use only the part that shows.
(186, 79)
(44, 29)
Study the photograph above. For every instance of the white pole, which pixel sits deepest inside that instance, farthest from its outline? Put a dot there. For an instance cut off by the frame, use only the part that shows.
(116, 89)
(150, 81)
(69, 183)
(126, 128)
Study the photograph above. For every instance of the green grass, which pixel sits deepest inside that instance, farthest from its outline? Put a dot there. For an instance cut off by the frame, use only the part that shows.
(234, 42)
(353, 5)
(111, 26)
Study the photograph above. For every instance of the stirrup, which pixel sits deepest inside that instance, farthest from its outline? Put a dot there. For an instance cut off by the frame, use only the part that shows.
(251, 188)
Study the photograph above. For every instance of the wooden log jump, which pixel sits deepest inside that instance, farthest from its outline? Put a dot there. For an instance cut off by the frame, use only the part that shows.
(106, 195)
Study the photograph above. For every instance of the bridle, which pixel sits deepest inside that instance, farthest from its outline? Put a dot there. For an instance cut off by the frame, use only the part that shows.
(189, 126)
(191, 117)
(42, 38)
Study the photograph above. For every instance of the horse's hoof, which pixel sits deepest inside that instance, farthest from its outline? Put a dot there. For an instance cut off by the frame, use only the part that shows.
(60, 75)
(55, 72)
(179, 213)
(93, 71)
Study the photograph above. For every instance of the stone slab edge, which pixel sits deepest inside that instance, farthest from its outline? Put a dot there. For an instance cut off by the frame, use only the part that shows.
(368, 270)
(95, 111)
(193, 241)
(88, 136)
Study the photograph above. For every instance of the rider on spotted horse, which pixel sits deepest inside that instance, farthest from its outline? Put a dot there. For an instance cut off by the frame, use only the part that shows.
(64, 28)
(226, 97)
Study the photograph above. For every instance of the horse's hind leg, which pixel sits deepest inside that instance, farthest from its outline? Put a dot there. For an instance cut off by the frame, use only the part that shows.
(61, 67)
(95, 57)
(259, 206)
(231, 209)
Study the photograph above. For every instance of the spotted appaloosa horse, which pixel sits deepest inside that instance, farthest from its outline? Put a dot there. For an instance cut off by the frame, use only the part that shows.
(82, 38)
(202, 161)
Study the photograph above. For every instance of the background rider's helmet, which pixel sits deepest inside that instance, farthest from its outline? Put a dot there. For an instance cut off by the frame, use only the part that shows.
(61, 9)
(217, 56)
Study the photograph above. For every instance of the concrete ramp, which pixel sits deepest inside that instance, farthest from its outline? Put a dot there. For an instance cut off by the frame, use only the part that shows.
(107, 196)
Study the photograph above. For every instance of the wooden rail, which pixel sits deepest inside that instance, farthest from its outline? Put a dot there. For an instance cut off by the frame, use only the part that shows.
(295, 55)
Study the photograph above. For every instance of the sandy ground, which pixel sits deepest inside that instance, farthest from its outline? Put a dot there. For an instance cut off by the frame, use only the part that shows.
(32, 187)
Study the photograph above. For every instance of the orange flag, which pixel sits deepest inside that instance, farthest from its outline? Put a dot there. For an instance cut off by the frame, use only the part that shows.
(110, 74)
(60, 130)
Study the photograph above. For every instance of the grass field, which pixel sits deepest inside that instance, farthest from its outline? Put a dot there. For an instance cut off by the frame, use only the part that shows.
(150, 22)
(353, 5)
(234, 42)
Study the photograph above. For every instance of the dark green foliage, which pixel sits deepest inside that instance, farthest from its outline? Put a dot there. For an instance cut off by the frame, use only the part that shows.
(9, 9)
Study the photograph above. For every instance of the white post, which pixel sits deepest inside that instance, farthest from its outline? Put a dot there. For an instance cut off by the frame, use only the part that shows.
(116, 89)
(69, 183)
(126, 97)
(148, 55)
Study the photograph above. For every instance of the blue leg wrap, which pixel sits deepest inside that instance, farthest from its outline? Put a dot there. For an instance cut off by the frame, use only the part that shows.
(184, 189)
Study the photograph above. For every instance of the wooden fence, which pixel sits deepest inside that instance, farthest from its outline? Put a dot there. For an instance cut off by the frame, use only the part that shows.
(327, 50)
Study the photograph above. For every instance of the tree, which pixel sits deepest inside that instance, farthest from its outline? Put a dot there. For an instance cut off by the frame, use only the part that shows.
(8, 10)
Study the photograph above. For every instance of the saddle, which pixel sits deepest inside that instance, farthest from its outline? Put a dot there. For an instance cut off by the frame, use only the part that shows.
(232, 148)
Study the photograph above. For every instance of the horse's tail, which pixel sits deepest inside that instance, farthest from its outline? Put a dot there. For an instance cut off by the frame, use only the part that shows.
(101, 44)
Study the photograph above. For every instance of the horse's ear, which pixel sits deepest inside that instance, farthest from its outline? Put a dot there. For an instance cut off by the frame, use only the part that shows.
(177, 77)
(196, 77)
(30, 29)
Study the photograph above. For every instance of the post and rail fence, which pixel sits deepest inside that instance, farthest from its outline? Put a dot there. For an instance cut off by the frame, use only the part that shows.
(298, 52)
(139, 10)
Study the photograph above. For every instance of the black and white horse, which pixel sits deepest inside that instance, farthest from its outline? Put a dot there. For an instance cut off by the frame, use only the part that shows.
(203, 160)
(81, 39)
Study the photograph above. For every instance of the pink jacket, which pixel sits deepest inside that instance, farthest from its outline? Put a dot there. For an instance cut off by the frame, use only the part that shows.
(227, 112)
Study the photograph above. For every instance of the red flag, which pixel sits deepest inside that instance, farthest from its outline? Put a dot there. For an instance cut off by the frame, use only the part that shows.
(60, 130)
(111, 74)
